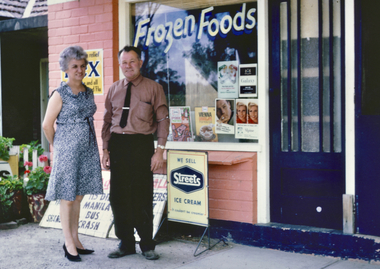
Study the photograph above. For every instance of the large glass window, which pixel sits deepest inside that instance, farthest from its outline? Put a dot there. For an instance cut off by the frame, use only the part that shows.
(195, 52)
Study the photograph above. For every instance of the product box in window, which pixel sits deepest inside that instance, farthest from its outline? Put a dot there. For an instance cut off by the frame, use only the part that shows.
(180, 124)
(205, 124)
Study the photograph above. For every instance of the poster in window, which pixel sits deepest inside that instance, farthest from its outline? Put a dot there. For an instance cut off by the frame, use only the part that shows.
(180, 123)
(225, 119)
(205, 124)
(227, 79)
(247, 121)
(248, 80)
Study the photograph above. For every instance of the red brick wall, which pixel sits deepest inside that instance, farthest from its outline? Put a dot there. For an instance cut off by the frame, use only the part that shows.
(91, 24)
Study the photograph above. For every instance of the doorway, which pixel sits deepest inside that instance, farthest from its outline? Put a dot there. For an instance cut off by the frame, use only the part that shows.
(307, 112)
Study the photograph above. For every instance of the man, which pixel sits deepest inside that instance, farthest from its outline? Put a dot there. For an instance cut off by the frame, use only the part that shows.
(241, 111)
(224, 111)
(128, 150)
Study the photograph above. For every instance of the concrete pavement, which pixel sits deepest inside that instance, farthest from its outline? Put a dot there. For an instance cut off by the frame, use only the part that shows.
(30, 246)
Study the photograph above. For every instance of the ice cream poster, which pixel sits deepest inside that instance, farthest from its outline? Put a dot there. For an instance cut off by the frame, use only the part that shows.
(180, 123)
(205, 124)
(228, 82)
(247, 118)
(225, 116)
(248, 80)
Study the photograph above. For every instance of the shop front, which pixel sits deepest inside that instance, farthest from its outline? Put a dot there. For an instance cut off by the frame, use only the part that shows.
(265, 87)
(198, 52)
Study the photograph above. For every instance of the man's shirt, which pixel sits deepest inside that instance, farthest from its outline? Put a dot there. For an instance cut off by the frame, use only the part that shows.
(148, 110)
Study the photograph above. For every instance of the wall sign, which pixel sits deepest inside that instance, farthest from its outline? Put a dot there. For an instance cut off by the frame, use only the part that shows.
(94, 72)
(188, 187)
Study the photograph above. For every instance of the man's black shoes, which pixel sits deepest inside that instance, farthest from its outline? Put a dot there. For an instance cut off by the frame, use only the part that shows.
(120, 253)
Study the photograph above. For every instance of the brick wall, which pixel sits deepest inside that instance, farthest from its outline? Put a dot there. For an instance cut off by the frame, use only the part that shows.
(91, 24)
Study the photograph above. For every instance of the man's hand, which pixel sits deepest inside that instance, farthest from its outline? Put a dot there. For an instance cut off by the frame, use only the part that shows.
(106, 159)
(157, 160)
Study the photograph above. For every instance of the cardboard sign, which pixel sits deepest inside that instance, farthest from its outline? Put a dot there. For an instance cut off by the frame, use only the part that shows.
(188, 187)
(95, 214)
(96, 218)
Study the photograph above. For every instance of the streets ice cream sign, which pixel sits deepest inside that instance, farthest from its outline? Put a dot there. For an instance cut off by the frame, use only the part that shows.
(187, 179)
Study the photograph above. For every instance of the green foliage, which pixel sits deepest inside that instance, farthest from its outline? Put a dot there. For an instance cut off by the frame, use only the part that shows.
(38, 181)
(5, 145)
(5, 201)
(12, 183)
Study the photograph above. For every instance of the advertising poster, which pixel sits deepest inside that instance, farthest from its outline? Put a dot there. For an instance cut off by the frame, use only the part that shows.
(180, 123)
(159, 203)
(94, 72)
(247, 118)
(188, 187)
(225, 116)
(248, 80)
(227, 79)
(205, 124)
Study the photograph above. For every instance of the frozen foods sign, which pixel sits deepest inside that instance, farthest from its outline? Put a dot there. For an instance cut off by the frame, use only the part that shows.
(213, 24)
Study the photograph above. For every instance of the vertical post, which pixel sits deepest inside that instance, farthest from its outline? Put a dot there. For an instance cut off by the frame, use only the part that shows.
(348, 214)
(26, 159)
(35, 159)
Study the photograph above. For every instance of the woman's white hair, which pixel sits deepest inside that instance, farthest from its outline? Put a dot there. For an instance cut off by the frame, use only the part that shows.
(69, 53)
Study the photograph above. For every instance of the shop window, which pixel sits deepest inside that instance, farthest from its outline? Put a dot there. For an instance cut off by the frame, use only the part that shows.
(196, 52)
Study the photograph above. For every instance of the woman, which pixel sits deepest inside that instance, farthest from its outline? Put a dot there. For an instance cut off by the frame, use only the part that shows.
(76, 166)
(241, 111)
(253, 113)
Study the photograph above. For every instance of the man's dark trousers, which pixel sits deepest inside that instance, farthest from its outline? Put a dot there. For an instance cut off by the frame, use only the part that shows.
(131, 190)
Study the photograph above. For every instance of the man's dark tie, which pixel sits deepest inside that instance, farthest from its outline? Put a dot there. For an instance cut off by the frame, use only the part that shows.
(127, 102)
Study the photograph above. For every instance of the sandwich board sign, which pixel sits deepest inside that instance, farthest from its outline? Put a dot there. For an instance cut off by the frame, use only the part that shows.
(188, 187)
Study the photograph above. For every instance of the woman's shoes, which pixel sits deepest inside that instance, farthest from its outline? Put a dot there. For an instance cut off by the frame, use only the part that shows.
(70, 257)
(85, 251)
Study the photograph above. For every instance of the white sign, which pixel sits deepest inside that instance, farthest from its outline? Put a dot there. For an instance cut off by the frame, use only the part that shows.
(95, 214)
(248, 80)
(247, 122)
(225, 116)
(228, 79)
(188, 187)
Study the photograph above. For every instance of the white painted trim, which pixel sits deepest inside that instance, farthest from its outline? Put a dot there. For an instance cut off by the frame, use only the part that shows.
(28, 9)
(125, 24)
(263, 186)
(350, 95)
(53, 2)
